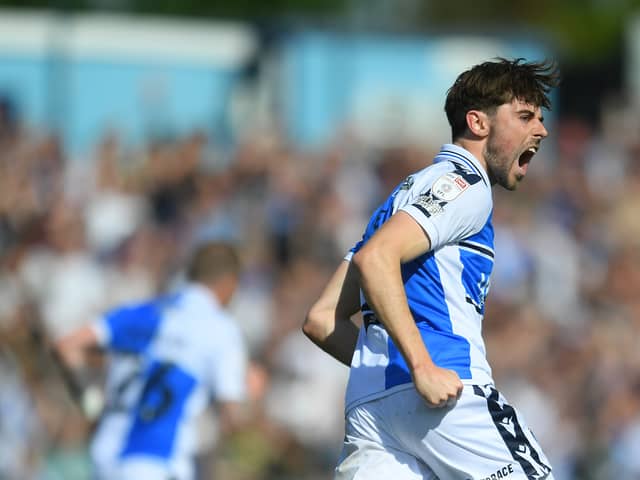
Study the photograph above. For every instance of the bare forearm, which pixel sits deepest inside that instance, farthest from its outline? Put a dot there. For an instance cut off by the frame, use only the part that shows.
(338, 341)
(329, 321)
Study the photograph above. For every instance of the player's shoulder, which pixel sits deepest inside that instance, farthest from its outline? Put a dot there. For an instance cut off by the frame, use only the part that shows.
(463, 164)
(450, 188)
(204, 306)
(450, 181)
(449, 166)
(463, 175)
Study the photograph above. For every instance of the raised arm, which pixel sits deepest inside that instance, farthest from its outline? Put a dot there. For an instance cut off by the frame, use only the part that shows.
(328, 323)
(398, 241)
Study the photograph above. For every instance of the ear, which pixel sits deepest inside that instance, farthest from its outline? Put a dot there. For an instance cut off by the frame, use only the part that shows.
(478, 123)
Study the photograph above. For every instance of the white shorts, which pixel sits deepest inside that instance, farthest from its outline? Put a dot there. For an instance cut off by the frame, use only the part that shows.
(400, 437)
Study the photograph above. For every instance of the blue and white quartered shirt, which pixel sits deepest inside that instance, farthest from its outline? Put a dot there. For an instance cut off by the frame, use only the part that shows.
(170, 356)
(446, 287)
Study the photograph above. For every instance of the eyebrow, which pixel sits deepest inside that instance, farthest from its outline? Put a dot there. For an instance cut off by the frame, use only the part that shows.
(531, 112)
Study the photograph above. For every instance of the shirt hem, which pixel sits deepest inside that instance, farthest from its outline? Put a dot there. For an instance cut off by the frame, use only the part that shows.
(479, 380)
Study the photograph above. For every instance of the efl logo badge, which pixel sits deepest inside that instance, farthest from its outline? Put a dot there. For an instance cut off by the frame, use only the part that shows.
(449, 186)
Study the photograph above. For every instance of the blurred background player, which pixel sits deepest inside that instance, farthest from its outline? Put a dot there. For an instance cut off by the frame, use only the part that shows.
(168, 357)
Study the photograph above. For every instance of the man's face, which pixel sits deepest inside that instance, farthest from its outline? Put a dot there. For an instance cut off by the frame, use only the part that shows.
(514, 138)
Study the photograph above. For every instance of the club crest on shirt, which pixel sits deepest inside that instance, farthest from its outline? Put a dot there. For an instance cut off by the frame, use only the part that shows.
(449, 186)
(407, 184)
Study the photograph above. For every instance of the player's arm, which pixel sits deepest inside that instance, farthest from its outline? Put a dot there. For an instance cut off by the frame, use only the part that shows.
(73, 347)
(229, 379)
(328, 323)
(70, 356)
(399, 240)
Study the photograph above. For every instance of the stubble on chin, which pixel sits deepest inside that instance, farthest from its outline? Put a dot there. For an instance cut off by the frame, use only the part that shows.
(499, 169)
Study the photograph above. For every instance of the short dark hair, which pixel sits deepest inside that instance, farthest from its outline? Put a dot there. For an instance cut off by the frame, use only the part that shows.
(490, 84)
(212, 260)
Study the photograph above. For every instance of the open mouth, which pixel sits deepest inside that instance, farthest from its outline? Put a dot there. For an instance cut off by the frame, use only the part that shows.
(526, 156)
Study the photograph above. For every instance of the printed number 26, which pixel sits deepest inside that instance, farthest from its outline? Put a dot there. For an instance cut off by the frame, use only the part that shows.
(156, 395)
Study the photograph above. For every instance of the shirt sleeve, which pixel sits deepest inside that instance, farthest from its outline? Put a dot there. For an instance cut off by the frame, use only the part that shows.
(129, 329)
(451, 209)
(229, 372)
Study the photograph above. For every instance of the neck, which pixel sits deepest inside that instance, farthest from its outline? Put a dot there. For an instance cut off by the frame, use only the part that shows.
(223, 288)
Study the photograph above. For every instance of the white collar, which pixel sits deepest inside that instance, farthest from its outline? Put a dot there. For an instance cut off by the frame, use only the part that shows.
(450, 151)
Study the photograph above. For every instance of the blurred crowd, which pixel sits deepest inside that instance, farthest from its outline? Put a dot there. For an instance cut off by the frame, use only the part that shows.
(81, 235)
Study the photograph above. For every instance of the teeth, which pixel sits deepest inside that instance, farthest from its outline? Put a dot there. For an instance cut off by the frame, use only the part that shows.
(532, 150)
